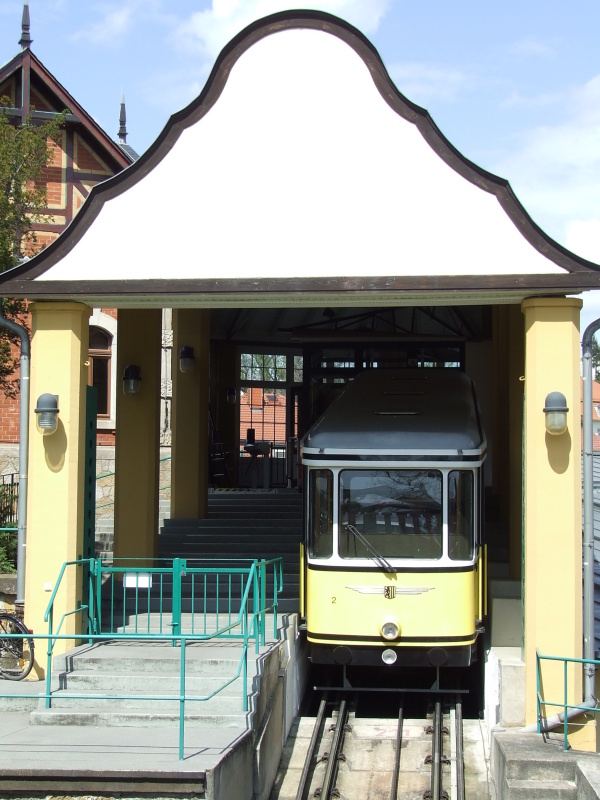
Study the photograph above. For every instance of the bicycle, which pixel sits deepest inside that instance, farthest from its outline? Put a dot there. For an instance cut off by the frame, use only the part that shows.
(16, 655)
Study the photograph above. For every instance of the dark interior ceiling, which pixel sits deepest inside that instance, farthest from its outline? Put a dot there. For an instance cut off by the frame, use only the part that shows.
(296, 326)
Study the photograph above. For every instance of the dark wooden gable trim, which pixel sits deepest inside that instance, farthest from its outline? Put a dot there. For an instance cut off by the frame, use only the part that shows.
(28, 63)
(587, 272)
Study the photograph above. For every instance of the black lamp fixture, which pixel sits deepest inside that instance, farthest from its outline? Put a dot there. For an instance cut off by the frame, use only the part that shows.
(556, 413)
(47, 413)
(131, 379)
(231, 395)
(187, 359)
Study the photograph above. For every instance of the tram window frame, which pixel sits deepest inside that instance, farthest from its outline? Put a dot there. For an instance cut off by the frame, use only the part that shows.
(465, 498)
(320, 513)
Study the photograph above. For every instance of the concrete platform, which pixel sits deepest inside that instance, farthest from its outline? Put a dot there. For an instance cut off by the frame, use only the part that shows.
(221, 761)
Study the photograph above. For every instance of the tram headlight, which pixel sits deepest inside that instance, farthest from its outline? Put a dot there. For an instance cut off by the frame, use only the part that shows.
(389, 656)
(390, 629)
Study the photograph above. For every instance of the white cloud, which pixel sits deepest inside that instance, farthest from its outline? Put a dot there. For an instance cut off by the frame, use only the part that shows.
(531, 46)
(117, 19)
(425, 82)
(210, 30)
(555, 169)
(583, 238)
(113, 23)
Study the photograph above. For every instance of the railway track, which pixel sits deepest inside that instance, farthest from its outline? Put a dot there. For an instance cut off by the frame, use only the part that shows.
(346, 757)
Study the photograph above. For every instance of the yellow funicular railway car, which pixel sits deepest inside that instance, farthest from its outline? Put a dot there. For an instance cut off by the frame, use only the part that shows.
(393, 564)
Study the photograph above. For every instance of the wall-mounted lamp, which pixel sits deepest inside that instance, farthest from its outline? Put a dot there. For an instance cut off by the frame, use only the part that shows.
(47, 413)
(131, 379)
(186, 359)
(556, 413)
(231, 395)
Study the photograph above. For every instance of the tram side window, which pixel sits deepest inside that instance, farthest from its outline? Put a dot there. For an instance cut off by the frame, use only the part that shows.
(320, 522)
(461, 515)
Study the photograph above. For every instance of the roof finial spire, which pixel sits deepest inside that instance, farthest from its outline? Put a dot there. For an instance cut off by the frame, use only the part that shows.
(122, 134)
(25, 40)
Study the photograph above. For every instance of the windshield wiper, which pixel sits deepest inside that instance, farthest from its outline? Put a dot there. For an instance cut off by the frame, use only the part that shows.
(384, 563)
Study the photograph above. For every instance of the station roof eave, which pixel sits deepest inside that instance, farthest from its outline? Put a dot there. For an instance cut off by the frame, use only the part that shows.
(301, 176)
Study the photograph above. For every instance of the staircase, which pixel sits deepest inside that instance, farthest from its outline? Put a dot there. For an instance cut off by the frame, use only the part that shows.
(140, 671)
(243, 525)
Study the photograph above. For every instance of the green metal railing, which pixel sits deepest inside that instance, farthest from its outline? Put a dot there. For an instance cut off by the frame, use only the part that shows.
(563, 704)
(128, 615)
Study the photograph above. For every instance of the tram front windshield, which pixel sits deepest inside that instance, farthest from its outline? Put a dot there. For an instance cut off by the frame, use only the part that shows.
(400, 513)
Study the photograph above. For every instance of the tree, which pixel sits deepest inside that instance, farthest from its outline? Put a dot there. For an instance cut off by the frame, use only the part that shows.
(596, 358)
(25, 151)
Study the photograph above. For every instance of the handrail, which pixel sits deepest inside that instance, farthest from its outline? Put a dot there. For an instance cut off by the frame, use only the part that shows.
(564, 704)
(251, 624)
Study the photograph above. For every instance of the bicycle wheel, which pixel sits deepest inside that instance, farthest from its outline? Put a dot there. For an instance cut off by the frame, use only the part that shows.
(16, 655)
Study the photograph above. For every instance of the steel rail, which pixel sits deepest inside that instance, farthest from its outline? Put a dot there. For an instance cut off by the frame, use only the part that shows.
(460, 755)
(335, 753)
(396, 770)
(310, 760)
(436, 759)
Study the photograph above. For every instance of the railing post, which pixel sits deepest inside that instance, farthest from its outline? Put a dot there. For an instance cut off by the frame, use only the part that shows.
(566, 719)
(179, 569)
(49, 657)
(256, 604)
(181, 697)
(263, 601)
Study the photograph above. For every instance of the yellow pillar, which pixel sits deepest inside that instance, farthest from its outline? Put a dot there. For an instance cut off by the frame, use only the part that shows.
(552, 491)
(137, 436)
(59, 349)
(190, 418)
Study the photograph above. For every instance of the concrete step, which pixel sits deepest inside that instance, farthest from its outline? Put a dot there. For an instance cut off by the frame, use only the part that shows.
(203, 659)
(148, 683)
(220, 705)
(542, 789)
(102, 717)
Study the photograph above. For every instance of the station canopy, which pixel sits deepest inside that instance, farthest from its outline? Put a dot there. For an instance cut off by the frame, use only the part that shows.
(301, 176)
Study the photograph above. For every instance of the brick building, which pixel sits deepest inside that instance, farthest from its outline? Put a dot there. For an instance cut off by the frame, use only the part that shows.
(84, 156)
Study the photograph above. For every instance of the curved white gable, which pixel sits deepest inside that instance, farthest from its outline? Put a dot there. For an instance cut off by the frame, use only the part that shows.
(300, 169)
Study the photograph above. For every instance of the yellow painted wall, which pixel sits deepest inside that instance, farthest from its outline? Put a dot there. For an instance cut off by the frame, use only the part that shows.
(552, 494)
(55, 501)
(137, 437)
(190, 418)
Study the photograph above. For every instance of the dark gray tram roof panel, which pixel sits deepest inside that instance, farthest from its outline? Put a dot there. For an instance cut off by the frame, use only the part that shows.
(412, 411)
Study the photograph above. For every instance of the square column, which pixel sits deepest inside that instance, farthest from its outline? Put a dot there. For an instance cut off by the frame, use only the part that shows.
(190, 418)
(59, 351)
(552, 500)
(137, 449)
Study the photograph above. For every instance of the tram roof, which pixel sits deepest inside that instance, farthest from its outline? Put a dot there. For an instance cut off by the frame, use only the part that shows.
(411, 412)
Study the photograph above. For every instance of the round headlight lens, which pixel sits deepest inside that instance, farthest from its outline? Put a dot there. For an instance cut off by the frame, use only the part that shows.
(390, 629)
(389, 656)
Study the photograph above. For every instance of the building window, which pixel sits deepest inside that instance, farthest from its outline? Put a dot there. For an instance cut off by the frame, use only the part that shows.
(99, 368)
(265, 383)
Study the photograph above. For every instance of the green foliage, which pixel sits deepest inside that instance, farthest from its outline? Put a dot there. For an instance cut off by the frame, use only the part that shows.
(8, 539)
(24, 154)
(8, 551)
(596, 358)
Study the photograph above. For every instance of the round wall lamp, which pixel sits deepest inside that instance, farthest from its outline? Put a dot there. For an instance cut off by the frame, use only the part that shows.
(132, 379)
(186, 359)
(556, 413)
(47, 413)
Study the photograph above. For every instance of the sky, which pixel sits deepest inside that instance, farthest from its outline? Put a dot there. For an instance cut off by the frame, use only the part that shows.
(515, 86)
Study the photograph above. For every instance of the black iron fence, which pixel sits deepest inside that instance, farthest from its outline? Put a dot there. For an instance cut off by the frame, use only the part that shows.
(9, 498)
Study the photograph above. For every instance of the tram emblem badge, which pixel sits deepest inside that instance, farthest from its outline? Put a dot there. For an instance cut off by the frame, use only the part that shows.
(389, 592)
